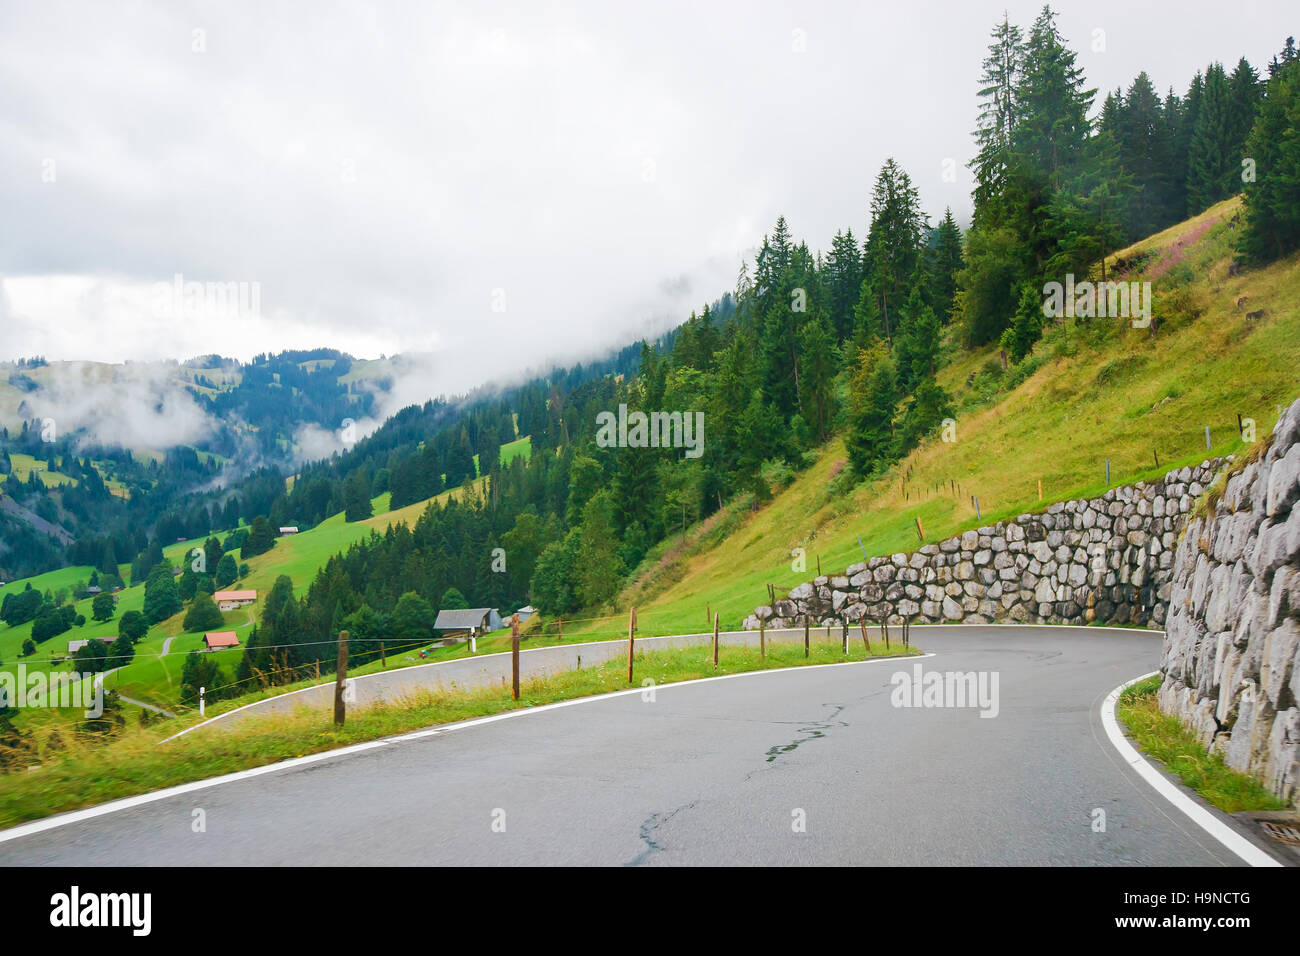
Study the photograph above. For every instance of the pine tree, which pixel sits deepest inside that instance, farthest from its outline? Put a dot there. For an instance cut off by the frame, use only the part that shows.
(1214, 157)
(356, 497)
(844, 283)
(260, 539)
(1273, 199)
(1027, 327)
(893, 248)
(873, 404)
(634, 488)
(944, 264)
(918, 341)
(817, 361)
(867, 327)
(1052, 105)
(227, 571)
(995, 266)
(1088, 216)
(777, 342)
(1141, 138)
(1049, 138)
(1288, 55)
(758, 439)
(1188, 117)
(998, 114)
(929, 407)
(1245, 93)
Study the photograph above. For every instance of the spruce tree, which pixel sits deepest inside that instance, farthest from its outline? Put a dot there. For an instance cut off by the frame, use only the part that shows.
(998, 114)
(844, 283)
(1245, 93)
(873, 404)
(1273, 199)
(917, 345)
(817, 361)
(1052, 103)
(944, 265)
(227, 571)
(930, 405)
(893, 247)
(1214, 156)
(1027, 326)
(1142, 140)
(356, 497)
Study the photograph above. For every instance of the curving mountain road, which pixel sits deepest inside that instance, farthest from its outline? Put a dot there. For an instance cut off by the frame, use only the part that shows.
(715, 772)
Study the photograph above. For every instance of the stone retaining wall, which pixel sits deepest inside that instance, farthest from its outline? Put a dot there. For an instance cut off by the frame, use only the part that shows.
(1106, 559)
(1232, 640)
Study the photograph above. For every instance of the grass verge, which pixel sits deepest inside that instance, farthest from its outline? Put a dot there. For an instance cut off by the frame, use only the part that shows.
(85, 772)
(1167, 740)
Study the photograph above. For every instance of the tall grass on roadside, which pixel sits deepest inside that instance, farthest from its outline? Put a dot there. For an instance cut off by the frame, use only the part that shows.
(1167, 740)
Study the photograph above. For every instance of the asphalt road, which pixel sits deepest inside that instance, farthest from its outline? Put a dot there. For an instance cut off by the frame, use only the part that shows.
(489, 670)
(716, 772)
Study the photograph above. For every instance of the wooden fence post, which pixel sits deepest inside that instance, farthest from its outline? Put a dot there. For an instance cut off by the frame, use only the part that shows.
(715, 640)
(383, 655)
(884, 630)
(631, 629)
(341, 678)
(866, 642)
(762, 639)
(805, 636)
(844, 635)
(514, 656)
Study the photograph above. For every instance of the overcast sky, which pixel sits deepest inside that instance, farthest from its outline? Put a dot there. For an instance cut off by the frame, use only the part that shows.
(496, 184)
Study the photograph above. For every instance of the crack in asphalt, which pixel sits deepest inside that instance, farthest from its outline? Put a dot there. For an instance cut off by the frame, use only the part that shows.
(812, 730)
(648, 828)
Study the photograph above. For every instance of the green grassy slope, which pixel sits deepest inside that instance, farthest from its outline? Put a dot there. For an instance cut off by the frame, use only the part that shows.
(1104, 392)
(154, 680)
(1091, 392)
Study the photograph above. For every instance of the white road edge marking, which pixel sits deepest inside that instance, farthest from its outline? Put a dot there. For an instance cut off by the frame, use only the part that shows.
(1215, 827)
(127, 803)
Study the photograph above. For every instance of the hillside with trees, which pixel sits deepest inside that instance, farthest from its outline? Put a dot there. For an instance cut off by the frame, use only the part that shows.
(812, 351)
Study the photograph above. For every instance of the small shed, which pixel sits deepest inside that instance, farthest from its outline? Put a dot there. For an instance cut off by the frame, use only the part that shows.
(217, 640)
(467, 622)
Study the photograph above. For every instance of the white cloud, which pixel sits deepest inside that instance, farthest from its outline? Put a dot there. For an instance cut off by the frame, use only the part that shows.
(380, 172)
(134, 406)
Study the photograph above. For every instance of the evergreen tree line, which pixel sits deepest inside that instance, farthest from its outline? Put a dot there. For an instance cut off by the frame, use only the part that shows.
(1057, 190)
